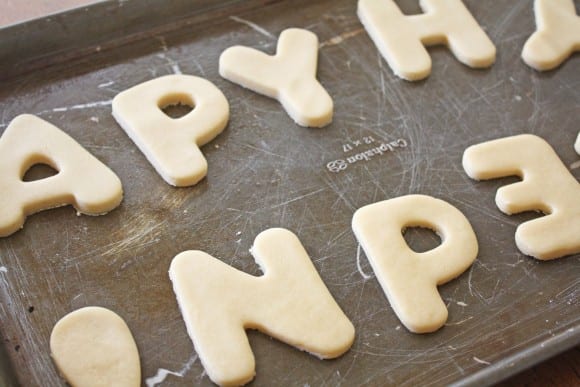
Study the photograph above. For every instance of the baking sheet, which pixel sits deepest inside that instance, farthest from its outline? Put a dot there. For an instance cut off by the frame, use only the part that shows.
(505, 313)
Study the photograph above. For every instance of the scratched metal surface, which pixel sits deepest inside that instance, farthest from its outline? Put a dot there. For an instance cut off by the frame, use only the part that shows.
(506, 312)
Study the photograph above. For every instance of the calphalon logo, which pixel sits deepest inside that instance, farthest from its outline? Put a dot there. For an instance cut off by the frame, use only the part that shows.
(339, 165)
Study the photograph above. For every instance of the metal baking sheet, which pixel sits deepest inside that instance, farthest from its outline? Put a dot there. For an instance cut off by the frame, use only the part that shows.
(505, 313)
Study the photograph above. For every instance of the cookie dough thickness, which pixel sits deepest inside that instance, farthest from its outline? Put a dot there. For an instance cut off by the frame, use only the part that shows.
(289, 76)
(546, 186)
(172, 145)
(93, 347)
(557, 35)
(81, 180)
(402, 39)
(289, 302)
(410, 279)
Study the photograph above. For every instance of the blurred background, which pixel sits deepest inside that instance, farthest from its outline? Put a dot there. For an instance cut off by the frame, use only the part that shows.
(15, 11)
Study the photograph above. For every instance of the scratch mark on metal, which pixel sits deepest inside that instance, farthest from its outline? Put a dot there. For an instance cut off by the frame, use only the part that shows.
(88, 105)
(481, 361)
(338, 39)
(358, 266)
(383, 87)
(297, 198)
(469, 280)
(264, 151)
(175, 68)
(162, 42)
(162, 373)
(458, 322)
(253, 26)
(172, 63)
(200, 69)
(106, 84)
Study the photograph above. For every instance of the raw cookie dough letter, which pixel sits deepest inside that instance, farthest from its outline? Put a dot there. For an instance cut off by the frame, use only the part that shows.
(546, 185)
(409, 279)
(289, 302)
(557, 37)
(577, 144)
(172, 145)
(289, 76)
(402, 39)
(82, 180)
(93, 347)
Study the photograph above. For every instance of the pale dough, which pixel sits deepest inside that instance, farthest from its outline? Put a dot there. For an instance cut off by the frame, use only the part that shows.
(289, 76)
(82, 180)
(557, 35)
(546, 186)
(289, 302)
(402, 39)
(577, 145)
(93, 347)
(409, 279)
(172, 145)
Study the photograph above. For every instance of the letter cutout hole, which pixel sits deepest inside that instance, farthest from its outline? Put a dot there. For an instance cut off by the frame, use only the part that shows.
(82, 180)
(172, 144)
(409, 279)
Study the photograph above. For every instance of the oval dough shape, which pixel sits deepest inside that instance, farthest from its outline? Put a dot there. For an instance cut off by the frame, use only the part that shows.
(93, 347)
